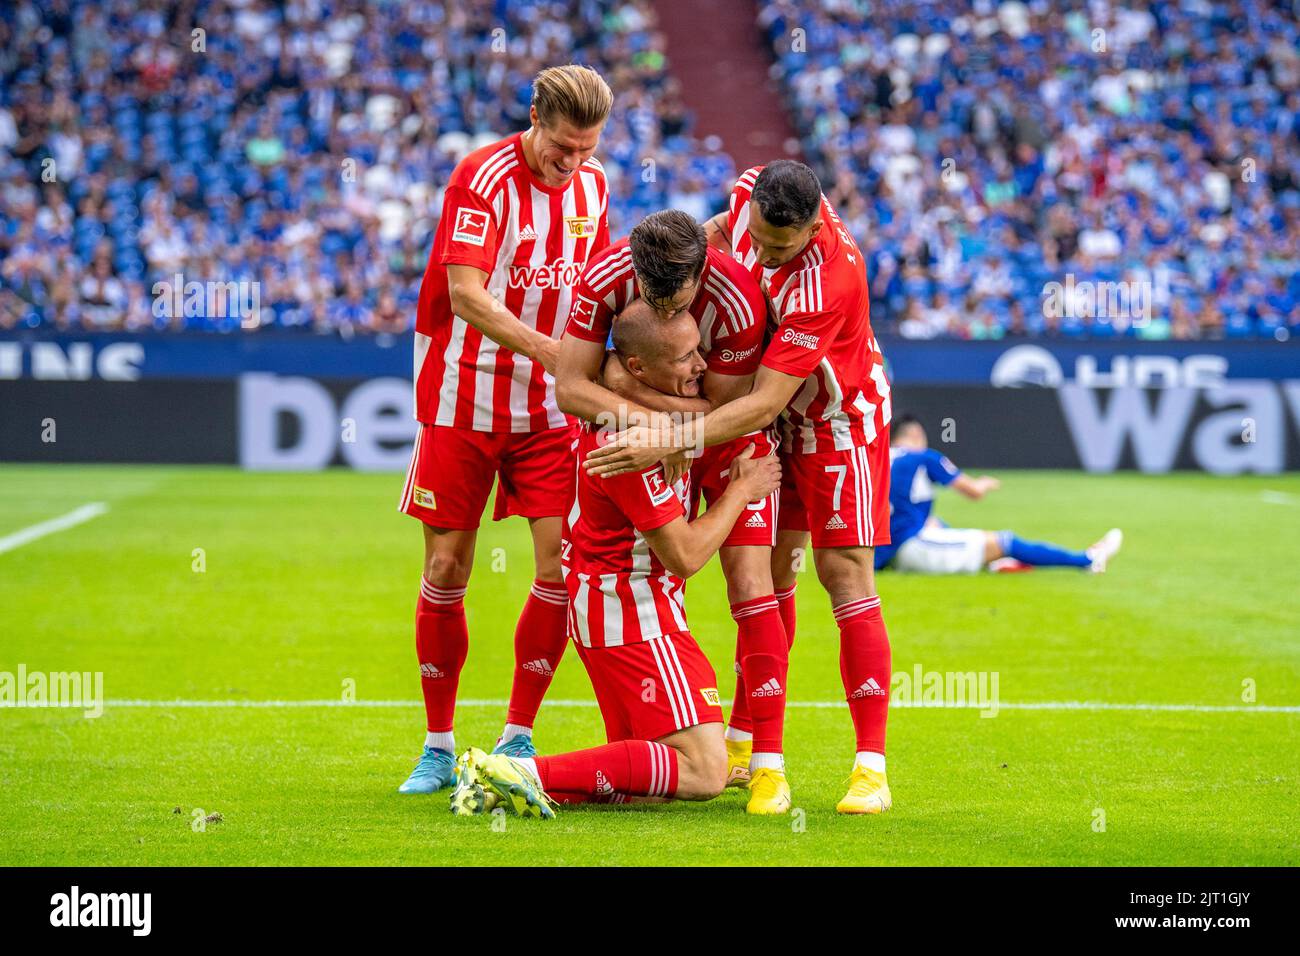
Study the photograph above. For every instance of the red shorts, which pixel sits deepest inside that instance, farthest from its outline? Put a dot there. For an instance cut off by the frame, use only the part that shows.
(842, 497)
(452, 470)
(651, 689)
(710, 475)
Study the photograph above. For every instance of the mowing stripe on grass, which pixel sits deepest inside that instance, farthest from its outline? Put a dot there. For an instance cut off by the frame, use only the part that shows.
(62, 523)
(795, 704)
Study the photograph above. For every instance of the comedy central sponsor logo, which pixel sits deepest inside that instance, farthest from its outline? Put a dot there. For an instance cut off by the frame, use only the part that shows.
(78, 689)
(74, 908)
(560, 274)
(730, 355)
(804, 340)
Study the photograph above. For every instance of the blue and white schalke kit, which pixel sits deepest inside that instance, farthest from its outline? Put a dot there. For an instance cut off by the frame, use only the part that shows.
(917, 544)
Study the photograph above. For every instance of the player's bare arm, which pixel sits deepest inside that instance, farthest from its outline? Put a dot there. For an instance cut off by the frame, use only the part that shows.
(975, 488)
(638, 448)
(720, 389)
(715, 231)
(685, 547)
(470, 299)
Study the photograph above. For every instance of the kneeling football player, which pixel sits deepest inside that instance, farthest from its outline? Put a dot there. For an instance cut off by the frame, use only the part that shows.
(627, 551)
(667, 262)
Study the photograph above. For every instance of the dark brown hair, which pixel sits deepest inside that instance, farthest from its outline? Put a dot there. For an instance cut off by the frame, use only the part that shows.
(668, 250)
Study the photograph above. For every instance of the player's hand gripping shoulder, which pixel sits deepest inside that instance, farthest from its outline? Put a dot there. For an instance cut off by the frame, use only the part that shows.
(676, 466)
(633, 449)
(755, 478)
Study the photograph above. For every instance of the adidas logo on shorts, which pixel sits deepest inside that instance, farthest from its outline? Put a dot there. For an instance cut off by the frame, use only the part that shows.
(756, 521)
(836, 523)
(869, 688)
(430, 671)
(769, 689)
(540, 666)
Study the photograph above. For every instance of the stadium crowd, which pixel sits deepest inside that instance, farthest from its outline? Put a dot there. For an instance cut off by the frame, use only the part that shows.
(979, 152)
(296, 145)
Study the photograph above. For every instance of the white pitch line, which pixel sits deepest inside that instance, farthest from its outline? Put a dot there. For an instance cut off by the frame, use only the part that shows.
(62, 523)
(1086, 705)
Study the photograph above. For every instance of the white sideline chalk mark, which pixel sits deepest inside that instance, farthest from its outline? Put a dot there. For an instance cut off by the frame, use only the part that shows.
(62, 523)
(1087, 705)
(1276, 498)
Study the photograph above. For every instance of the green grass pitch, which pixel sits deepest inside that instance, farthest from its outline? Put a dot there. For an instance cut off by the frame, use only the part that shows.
(310, 585)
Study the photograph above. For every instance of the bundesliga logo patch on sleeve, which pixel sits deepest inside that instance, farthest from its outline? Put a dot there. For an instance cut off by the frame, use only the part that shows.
(655, 486)
(584, 312)
(471, 226)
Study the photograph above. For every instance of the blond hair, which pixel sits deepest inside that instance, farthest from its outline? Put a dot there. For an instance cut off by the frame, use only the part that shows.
(574, 93)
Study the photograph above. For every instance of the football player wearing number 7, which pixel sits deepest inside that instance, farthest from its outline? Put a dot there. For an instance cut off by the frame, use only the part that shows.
(823, 373)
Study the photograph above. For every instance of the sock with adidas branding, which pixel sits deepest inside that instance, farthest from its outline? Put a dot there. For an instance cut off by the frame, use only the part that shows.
(639, 768)
(540, 638)
(865, 669)
(441, 643)
(764, 657)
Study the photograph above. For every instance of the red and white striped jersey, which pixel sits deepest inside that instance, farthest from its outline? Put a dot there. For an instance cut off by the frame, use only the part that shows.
(619, 590)
(823, 333)
(729, 307)
(533, 241)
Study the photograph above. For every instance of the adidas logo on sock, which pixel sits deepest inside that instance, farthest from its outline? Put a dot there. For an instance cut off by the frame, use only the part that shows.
(869, 688)
(770, 688)
(836, 523)
(430, 671)
(602, 784)
(540, 666)
(756, 521)
(527, 234)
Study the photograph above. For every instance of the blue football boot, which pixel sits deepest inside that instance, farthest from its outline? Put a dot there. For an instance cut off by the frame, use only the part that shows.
(520, 745)
(435, 771)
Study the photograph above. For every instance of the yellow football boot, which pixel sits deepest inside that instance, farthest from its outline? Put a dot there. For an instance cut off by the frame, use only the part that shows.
(769, 793)
(738, 753)
(868, 793)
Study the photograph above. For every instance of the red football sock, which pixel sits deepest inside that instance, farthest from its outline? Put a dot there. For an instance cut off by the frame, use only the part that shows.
(540, 639)
(865, 669)
(638, 768)
(441, 643)
(740, 719)
(764, 661)
(785, 601)
(568, 798)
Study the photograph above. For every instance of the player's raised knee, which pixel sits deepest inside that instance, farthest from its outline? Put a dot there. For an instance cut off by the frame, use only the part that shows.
(702, 772)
